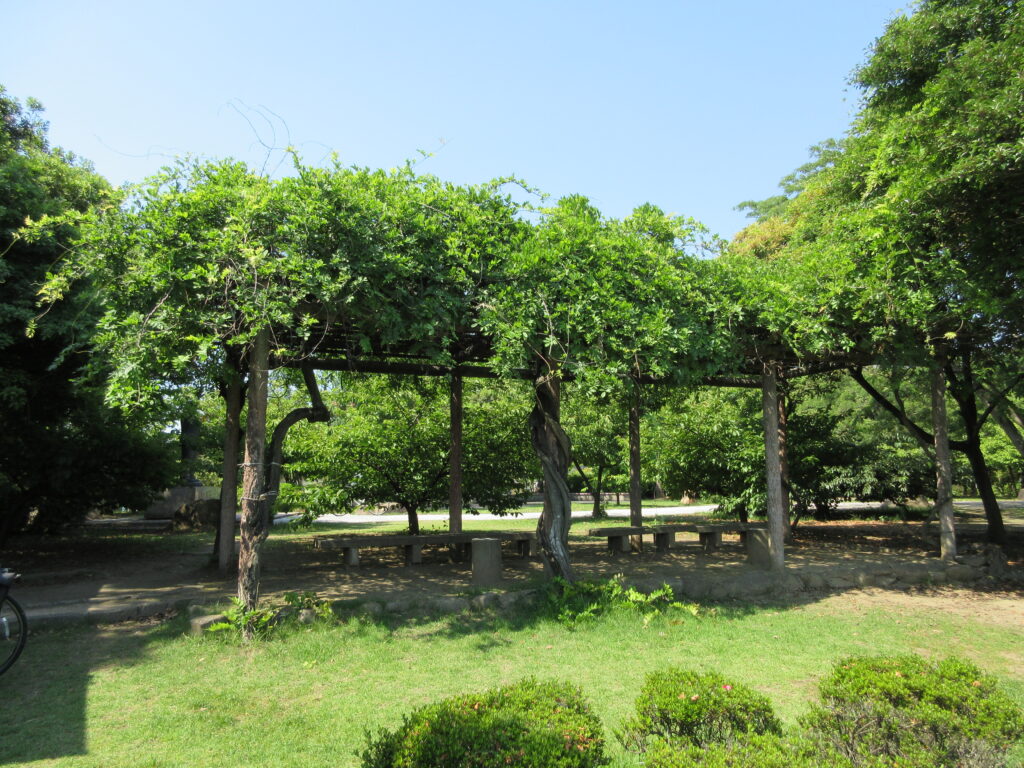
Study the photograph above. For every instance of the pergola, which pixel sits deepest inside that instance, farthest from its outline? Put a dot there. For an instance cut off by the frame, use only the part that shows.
(337, 348)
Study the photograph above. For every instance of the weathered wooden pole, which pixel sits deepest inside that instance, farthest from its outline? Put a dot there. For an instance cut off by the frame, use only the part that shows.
(773, 465)
(229, 472)
(455, 455)
(636, 512)
(943, 460)
(253, 527)
(552, 447)
(784, 453)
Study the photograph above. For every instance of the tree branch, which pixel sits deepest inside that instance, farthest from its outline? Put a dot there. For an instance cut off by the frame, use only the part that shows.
(926, 439)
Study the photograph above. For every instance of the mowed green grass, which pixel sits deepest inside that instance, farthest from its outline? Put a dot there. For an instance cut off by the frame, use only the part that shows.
(153, 696)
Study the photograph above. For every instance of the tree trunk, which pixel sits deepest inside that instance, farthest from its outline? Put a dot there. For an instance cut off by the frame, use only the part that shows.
(773, 465)
(636, 511)
(743, 513)
(1005, 421)
(599, 512)
(965, 394)
(993, 515)
(595, 491)
(414, 518)
(253, 527)
(225, 545)
(455, 456)
(552, 447)
(189, 442)
(943, 461)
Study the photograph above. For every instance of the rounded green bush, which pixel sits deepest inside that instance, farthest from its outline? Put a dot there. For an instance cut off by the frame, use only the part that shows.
(909, 711)
(685, 707)
(531, 724)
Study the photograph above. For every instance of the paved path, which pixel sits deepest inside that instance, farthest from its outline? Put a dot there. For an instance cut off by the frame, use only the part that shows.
(694, 509)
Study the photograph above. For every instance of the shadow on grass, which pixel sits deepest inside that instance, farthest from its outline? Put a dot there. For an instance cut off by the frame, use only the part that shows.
(45, 694)
(543, 608)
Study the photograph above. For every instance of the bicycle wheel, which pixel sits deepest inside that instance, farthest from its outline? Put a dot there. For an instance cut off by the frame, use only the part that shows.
(13, 632)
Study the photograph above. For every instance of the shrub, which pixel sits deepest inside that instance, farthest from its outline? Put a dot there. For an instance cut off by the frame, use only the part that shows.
(577, 602)
(768, 751)
(531, 724)
(256, 624)
(684, 707)
(905, 710)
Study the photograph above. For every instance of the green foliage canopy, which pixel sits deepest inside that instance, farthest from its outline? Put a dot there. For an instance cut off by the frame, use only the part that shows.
(62, 453)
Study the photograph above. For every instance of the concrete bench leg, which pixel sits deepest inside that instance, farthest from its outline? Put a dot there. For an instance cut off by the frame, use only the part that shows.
(662, 542)
(526, 547)
(710, 540)
(618, 545)
(413, 554)
(758, 549)
(486, 562)
(350, 555)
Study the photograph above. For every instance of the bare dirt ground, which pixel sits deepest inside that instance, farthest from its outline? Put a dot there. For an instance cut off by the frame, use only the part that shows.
(101, 574)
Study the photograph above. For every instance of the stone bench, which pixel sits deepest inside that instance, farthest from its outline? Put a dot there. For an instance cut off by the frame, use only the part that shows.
(412, 545)
(709, 534)
(618, 537)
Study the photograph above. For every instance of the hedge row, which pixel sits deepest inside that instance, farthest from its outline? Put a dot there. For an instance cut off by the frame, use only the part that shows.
(875, 712)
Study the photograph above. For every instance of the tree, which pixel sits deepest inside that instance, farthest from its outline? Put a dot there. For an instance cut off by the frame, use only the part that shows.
(919, 207)
(193, 275)
(934, 166)
(597, 430)
(606, 304)
(705, 442)
(388, 442)
(62, 451)
(208, 270)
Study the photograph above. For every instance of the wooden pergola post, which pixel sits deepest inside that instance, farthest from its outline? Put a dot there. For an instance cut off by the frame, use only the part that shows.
(229, 480)
(943, 459)
(636, 512)
(784, 459)
(455, 455)
(773, 465)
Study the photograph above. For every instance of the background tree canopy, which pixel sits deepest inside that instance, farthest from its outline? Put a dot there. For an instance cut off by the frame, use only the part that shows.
(62, 451)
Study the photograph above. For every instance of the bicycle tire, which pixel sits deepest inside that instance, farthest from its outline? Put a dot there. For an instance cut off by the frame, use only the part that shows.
(13, 632)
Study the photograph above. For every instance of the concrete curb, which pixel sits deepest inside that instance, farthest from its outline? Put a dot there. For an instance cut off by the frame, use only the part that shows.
(54, 617)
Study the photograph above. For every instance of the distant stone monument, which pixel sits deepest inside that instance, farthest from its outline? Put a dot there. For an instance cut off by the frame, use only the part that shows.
(175, 498)
(190, 490)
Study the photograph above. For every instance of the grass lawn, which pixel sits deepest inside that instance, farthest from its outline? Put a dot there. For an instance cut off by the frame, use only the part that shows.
(149, 695)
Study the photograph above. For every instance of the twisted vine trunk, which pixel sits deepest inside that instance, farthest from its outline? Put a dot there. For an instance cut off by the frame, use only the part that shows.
(317, 412)
(552, 447)
(254, 521)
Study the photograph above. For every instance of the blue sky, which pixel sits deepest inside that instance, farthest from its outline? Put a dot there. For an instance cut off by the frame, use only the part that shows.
(694, 106)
